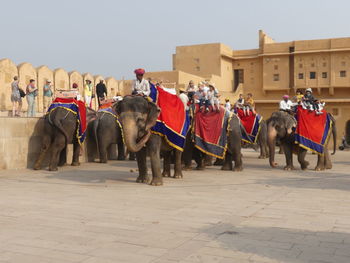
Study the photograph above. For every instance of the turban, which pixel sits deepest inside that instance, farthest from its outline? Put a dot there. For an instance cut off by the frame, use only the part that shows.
(285, 96)
(139, 71)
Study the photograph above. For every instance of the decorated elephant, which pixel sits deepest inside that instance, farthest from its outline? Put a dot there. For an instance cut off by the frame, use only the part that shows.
(108, 133)
(137, 116)
(346, 139)
(282, 125)
(202, 157)
(61, 127)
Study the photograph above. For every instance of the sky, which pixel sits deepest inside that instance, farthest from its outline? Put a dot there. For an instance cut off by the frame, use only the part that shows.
(112, 38)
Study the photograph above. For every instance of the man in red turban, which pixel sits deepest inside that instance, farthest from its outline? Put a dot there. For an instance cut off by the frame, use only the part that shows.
(140, 86)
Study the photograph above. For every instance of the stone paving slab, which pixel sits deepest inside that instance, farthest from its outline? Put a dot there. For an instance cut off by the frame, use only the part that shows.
(97, 213)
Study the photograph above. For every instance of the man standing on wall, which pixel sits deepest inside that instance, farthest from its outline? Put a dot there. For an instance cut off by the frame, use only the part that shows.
(88, 93)
(47, 95)
(32, 92)
(101, 92)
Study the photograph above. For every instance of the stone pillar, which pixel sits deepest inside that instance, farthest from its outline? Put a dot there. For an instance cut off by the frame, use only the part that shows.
(44, 74)
(8, 70)
(26, 72)
(112, 87)
(125, 87)
(76, 77)
(61, 79)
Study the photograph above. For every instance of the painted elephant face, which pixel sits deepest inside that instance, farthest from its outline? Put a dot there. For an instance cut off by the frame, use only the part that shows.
(137, 116)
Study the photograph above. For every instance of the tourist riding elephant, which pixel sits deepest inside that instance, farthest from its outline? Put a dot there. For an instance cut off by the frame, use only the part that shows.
(234, 137)
(60, 129)
(137, 116)
(108, 133)
(281, 125)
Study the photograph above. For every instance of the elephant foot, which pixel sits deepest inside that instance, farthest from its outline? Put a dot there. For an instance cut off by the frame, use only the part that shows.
(166, 173)
(75, 164)
(238, 169)
(319, 168)
(178, 175)
(273, 165)
(121, 158)
(263, 156)
(187, 168)
(103, 160)
(157, 181)
(304, 166)
(218, 162)
(37, 167)
(200, 167)
(226, 168)
(289, 168)
(142, 179)
(329, 167)
(53, 169)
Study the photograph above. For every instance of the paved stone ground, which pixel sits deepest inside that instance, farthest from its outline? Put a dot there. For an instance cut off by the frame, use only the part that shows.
(97, 213)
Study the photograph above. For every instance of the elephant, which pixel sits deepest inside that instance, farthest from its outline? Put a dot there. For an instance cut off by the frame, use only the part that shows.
(137, 116)
(60, 128)
(234, 137)
(107, 133)
(261, 140)
(346, 139)
(281, 125)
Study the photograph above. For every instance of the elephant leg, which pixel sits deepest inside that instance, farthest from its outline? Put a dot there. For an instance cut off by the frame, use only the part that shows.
(121, 151)
(76, 152)
(188, 153)
(102, 148)
(44, 148)
(177, 166)
(154, 150)
(320, 163)
(327, 159)
(263, 149)
(63, 157)
(281, 151)
(288, 153)
(141, 157)
(166, 164)
(237, 158)
(301, 159)
(57, 147)
(112, 152)
(132, 156)
(199, 159)
(227, 162)
(208, 160)
(218, 162)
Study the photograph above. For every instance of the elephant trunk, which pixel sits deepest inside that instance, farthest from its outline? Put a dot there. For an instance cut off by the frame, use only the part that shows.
(271, 141)
(132, 142)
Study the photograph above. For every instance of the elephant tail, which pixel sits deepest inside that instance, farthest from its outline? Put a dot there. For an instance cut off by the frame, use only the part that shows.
(57, 123)
(334, 132)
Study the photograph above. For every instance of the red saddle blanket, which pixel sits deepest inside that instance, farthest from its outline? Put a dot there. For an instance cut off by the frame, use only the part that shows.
(210, 131)
(251, 123)
(312, 130)
(77, 107)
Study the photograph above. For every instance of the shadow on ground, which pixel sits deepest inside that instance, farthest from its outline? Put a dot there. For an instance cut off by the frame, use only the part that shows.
(311, 180)
(94, 176)
(280, 244)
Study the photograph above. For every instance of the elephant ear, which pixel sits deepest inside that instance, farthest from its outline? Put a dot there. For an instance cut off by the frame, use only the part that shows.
(152, 115)
(290, 123)
(117, 107)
